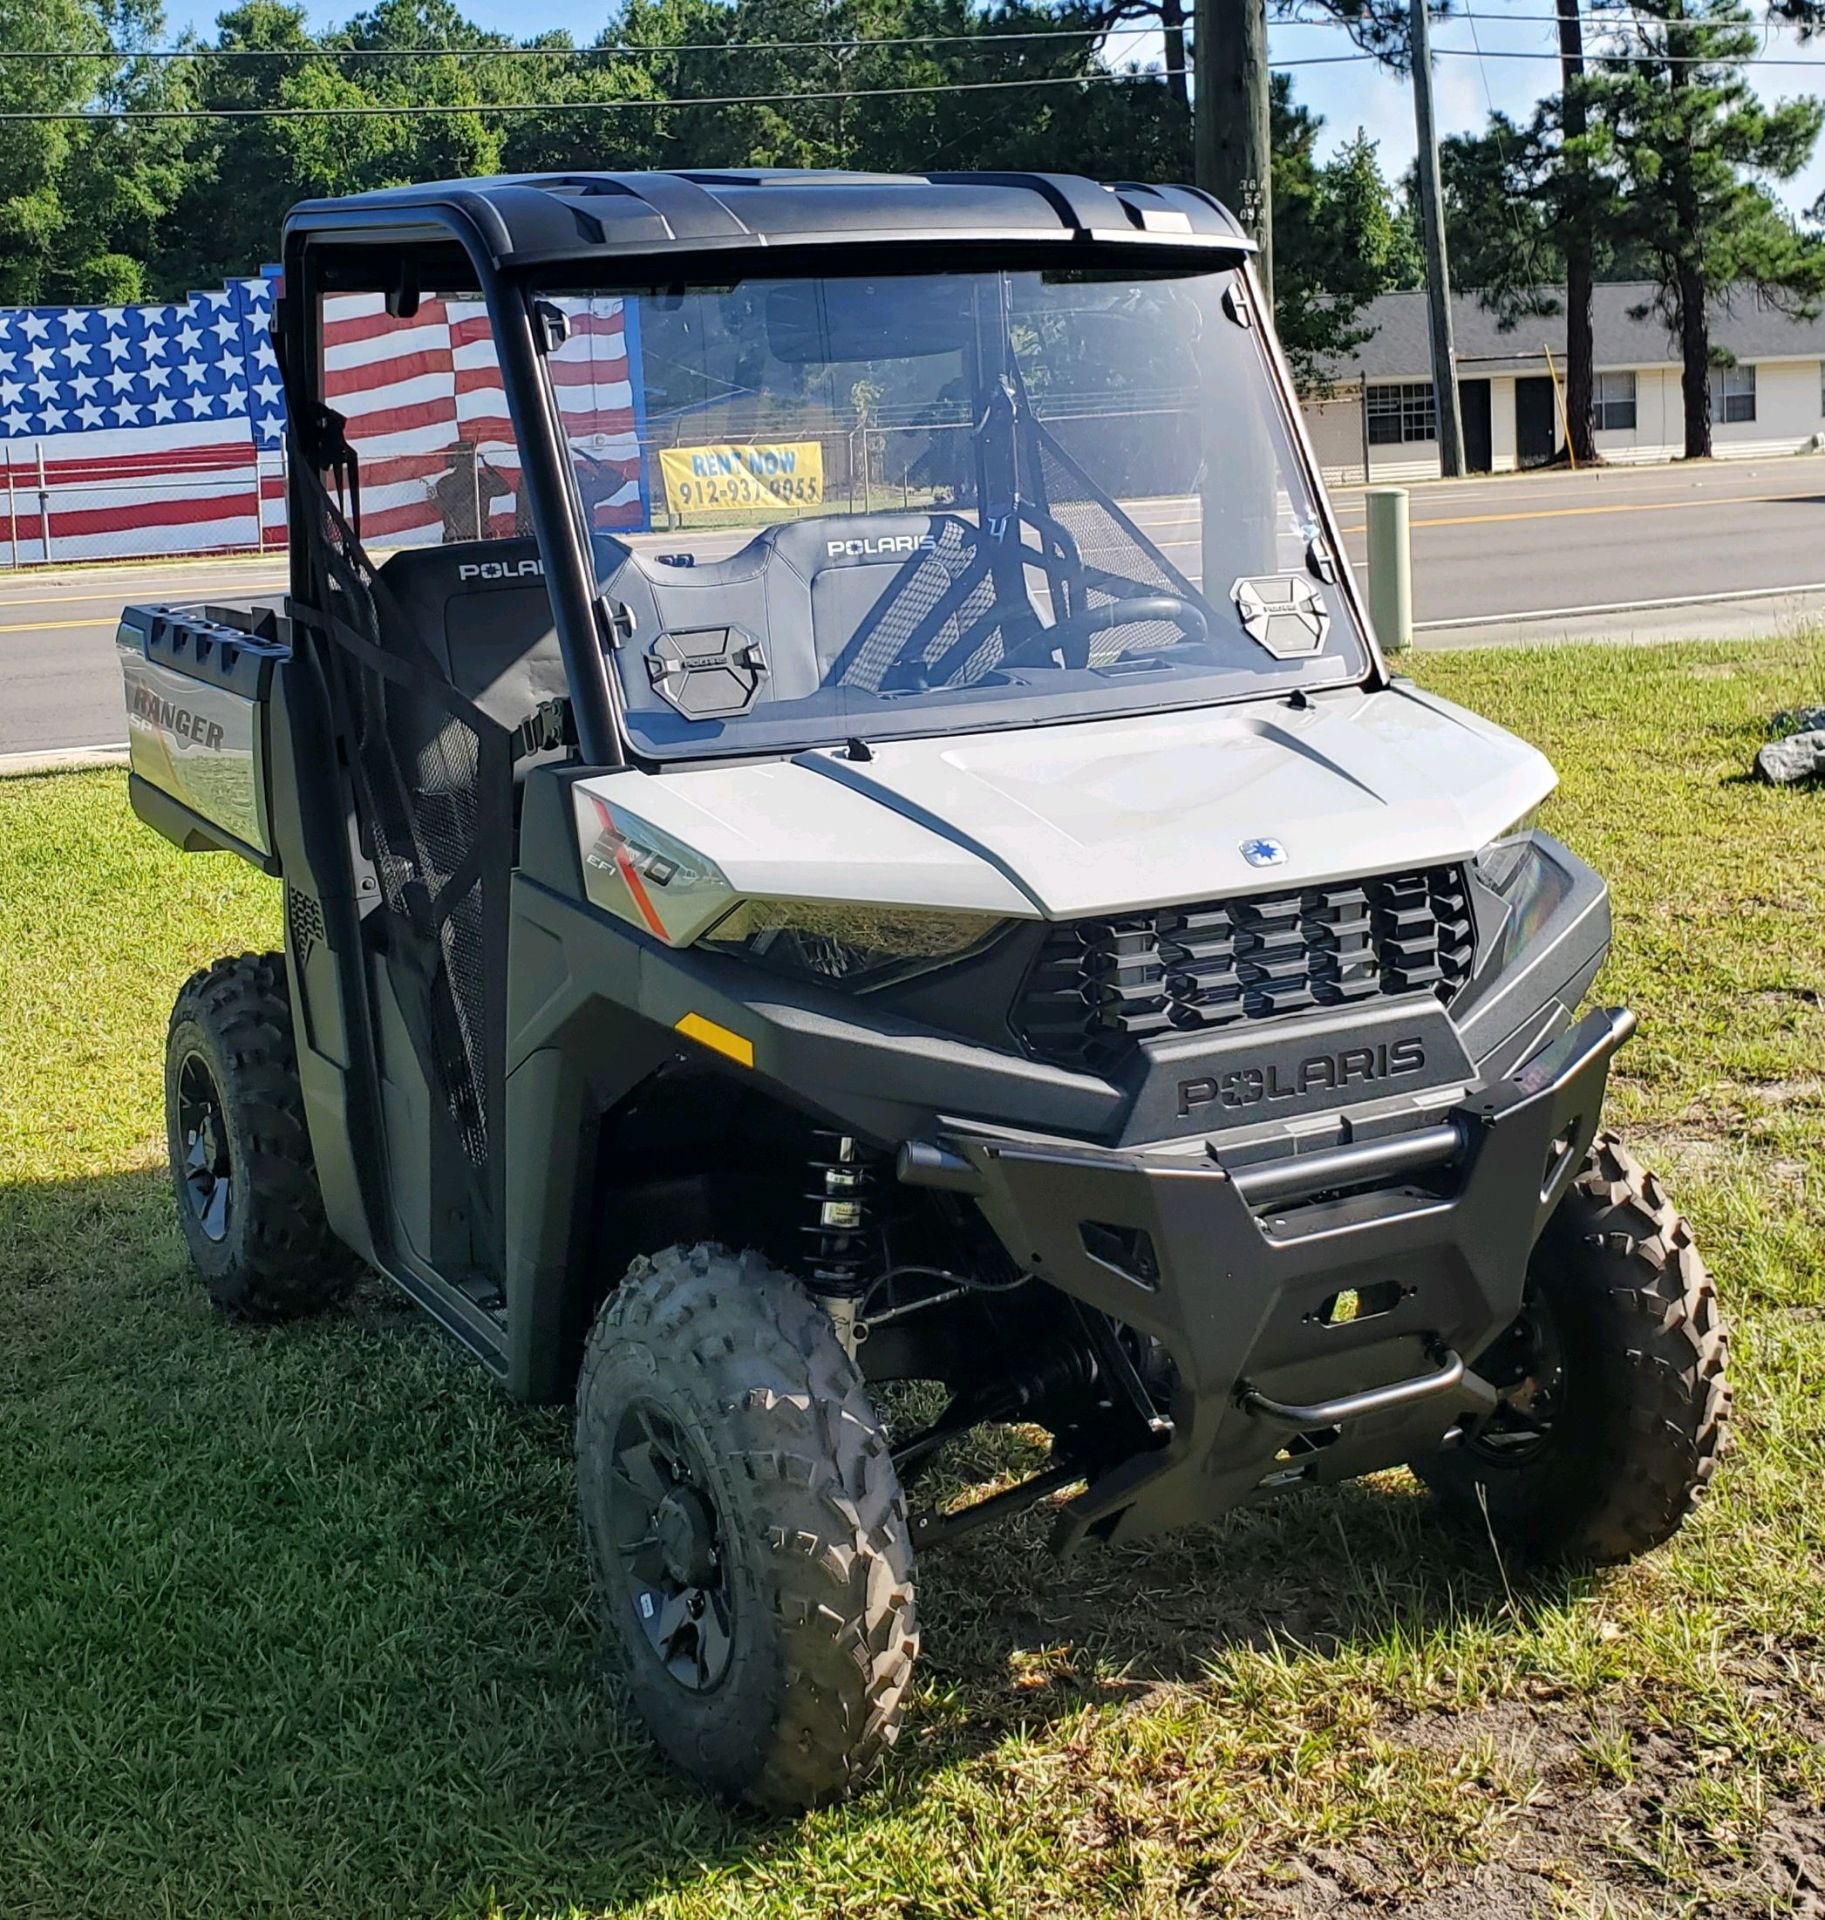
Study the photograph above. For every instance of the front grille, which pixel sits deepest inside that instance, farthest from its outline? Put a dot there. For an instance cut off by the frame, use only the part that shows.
(1099, 986)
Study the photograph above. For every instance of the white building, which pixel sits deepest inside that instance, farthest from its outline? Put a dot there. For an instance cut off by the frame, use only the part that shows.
(1380, 408)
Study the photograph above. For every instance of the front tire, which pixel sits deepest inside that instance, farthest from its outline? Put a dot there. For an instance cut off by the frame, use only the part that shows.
(241, 1166)
(747, 1529)
(1615, 1404)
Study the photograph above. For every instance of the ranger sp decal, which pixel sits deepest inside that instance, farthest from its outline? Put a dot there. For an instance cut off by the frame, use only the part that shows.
(146, 708)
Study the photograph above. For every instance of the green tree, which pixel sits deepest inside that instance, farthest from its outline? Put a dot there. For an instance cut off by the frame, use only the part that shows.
(1682, 137)
(240, 177)
(1501, 234)
(982, 93)
(1339, 239)
(80, 202)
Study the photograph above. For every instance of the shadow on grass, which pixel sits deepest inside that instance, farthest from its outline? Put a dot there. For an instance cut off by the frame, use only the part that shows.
(295, 1621)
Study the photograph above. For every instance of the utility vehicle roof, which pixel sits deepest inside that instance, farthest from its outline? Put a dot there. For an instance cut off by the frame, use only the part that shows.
(528, 219)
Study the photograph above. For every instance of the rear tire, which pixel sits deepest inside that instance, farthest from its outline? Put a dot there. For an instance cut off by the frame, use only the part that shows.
(748, 1532)
(1617, 1367)
(241, 1166)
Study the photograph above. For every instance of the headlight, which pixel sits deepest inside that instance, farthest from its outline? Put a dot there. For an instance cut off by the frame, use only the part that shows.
(845, 944)
(1527, 880)
(1498, 863)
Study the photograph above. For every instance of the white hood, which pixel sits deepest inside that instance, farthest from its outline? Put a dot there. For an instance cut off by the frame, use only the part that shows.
(1104, 815)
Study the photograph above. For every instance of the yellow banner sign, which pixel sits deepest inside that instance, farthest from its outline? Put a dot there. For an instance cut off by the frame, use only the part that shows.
(705, 482)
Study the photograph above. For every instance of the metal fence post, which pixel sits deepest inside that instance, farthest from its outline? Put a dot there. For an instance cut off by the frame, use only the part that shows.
(44, 506)
(12, 509)
(1390, 568)
(259, 504)
(1362, 407)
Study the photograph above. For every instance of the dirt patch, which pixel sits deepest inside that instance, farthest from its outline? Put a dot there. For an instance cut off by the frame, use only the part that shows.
(1808, 1091)
(1682, 1158)
(1604, 1819)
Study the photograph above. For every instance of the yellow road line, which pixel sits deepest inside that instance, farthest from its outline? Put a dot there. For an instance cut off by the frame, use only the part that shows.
(94, 593)
(1623, 506)
(57, 626)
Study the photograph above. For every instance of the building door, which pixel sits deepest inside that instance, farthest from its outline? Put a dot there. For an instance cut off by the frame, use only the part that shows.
(1536, 421)
(1473, 403)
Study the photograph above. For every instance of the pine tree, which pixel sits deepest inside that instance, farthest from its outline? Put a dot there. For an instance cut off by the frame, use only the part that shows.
(1340, 240)
(1680, 133)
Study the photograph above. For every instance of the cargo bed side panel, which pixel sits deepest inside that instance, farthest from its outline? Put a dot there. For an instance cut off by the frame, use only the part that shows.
(196, 682)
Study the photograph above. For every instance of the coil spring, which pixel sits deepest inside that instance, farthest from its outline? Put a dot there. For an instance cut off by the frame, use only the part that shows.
(838, 1228)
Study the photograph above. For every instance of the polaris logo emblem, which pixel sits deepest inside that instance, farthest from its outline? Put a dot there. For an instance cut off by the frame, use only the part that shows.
(1317, 1073)
(1263, 853)
(150, 711)
(501, 570)
(868, 549)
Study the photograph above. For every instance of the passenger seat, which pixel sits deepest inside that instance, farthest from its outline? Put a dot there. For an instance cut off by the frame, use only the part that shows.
(481, 611)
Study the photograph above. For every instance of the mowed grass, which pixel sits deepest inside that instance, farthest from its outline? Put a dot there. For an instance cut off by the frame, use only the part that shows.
(294, 1623)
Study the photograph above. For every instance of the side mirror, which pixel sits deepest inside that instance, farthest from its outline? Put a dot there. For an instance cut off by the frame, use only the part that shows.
(551, 323)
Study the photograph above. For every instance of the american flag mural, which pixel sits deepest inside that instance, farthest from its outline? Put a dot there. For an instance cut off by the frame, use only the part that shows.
(133, 425)
(144, 430)
(427, 416)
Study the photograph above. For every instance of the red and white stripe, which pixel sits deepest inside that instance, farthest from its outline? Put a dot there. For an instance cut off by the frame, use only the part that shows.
(191, 487)
(411, 390)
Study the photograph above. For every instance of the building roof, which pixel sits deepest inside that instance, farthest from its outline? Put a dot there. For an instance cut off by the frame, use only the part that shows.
(1744, 325)
(527, 218)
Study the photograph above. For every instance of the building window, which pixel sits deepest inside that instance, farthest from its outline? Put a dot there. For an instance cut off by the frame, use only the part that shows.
(1732, 394)
(1614, 399)
(1402, 413)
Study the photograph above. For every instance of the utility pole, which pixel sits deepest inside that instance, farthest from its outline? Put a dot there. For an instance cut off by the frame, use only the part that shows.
(1579, 243)
(1231, 156)
(1438, 270)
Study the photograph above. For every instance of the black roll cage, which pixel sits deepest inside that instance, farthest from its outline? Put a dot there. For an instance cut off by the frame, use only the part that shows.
(316, 240)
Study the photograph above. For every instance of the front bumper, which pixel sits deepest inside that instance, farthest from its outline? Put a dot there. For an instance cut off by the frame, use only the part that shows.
(1236, 1273)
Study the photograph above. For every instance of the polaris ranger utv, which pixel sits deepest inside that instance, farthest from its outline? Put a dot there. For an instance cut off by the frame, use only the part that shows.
(879, 846)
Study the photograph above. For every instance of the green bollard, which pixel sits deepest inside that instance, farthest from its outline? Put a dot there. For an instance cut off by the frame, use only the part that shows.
(1390, 568)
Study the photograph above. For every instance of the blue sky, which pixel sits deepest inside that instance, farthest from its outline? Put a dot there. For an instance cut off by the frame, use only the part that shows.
(1347, 96)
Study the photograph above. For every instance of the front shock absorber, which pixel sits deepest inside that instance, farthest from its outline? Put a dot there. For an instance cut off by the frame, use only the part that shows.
(837, 1192)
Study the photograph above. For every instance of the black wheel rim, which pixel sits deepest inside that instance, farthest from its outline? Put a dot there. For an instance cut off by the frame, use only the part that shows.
(203, 1127)
(665, 1526)
(1526, 1366)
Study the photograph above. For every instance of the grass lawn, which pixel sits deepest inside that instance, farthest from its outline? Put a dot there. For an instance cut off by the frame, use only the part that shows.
(295, 1623)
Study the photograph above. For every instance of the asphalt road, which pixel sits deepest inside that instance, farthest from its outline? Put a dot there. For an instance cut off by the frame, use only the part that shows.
(1619, 554)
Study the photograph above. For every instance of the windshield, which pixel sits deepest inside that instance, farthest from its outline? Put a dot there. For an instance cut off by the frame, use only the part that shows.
(929, 504)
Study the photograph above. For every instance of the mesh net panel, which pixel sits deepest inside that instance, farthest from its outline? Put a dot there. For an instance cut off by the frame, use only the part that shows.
(1115, 563)
(431, 777)
(422, 771)
(465, 964)
(928, 611)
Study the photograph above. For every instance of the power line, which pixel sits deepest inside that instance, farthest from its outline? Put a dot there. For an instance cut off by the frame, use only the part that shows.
(1605, 20)
(635, 49)
(632, 103)
(621, 50)
(631, 49)
(1638, 59)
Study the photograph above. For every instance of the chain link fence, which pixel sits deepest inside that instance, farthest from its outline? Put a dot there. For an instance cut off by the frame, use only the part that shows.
(53, 513)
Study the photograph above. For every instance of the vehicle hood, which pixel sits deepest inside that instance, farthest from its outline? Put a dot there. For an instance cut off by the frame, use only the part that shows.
(1101, 816)
(1094, 818)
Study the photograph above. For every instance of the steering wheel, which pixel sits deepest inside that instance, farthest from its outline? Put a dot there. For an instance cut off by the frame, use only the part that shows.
(1072, 636)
